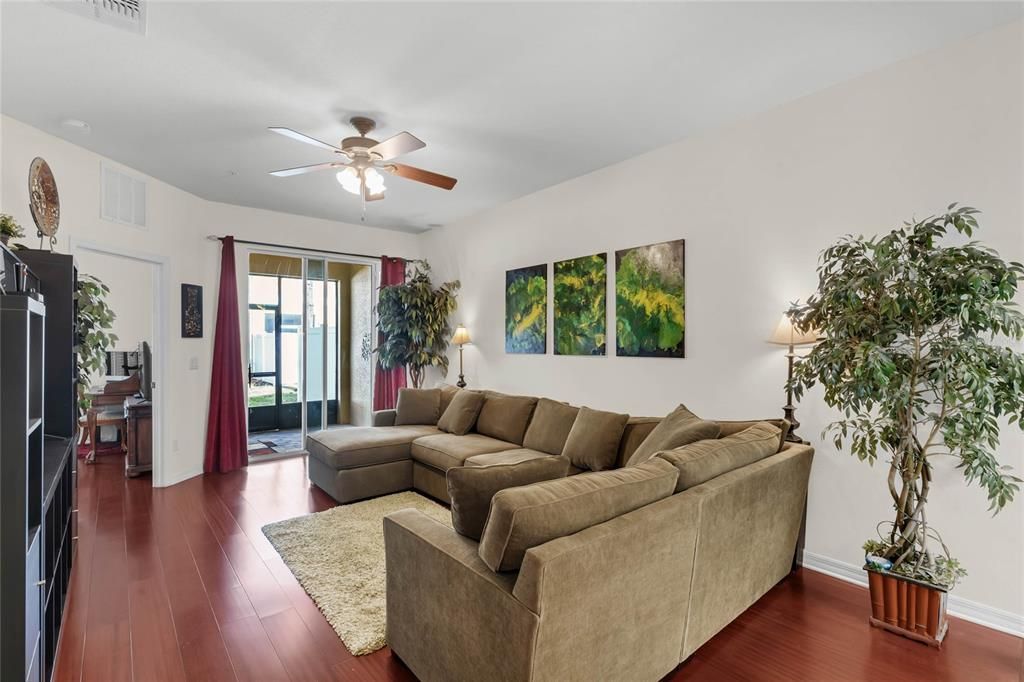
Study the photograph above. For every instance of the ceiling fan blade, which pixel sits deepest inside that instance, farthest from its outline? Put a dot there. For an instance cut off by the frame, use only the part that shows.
(424, 176)
(396, 145)
(286, 172)
(288, 132)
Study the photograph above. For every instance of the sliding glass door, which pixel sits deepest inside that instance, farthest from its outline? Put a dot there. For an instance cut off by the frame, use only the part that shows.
(309, 337)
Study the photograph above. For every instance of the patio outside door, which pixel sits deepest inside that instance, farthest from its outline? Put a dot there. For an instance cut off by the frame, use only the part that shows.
(310, 329)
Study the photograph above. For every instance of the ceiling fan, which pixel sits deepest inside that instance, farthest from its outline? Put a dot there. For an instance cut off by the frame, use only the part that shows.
(360, 172)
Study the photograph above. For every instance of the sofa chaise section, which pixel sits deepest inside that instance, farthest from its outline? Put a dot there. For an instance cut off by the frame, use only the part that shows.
(355, 463)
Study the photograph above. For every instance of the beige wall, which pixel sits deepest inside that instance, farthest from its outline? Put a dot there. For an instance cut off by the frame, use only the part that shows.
(178, 225)
(756, 202)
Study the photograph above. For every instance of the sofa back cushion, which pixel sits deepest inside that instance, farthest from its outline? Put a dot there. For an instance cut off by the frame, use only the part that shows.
(528, 516)
(701, 461)
(462, 413)
(505, 417)
(635, 432)
(732, 427)
(549, 428)
(471, 488)
(447, 393)
(681, 427)
(593, 441)
(418, 406)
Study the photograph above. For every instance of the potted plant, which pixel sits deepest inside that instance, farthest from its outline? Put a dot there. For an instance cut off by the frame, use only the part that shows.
(9, 229)
(413, 320)
(912, 357)
(93, 321)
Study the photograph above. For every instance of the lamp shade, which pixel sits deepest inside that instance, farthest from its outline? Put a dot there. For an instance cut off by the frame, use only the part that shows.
(461, 337)
(786, 334)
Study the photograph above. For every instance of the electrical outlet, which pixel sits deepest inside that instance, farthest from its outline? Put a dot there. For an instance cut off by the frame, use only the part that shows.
(193, 363)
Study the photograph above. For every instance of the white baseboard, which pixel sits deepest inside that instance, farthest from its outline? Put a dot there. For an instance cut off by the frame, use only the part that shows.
(989, 616)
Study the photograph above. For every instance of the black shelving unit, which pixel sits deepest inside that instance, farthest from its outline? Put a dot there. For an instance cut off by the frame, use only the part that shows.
(38, 464)
(22, 332)
(57, 279)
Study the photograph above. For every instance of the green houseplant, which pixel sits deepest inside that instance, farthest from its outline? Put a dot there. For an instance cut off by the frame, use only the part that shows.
(413, 321)
(93, 321)
(912, 357)
(9, 228)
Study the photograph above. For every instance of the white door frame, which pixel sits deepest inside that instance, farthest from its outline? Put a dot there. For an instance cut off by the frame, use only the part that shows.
(160, 340)
(242, 277)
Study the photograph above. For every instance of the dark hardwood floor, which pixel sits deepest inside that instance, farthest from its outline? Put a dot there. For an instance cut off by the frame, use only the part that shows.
(180, 584)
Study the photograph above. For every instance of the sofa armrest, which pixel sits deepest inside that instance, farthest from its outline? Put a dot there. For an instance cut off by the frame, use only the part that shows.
(749, 525)
(384, 418)
(449, 617)
(628, 580)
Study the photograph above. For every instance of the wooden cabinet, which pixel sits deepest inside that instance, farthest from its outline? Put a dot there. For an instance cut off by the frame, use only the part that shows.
(139, 438)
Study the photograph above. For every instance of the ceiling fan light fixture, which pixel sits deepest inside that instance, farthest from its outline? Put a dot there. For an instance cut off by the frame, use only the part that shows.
(374, 181)
(349, 180)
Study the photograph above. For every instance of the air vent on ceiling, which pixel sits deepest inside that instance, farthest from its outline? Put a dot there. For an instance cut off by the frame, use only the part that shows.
(126, 14)
(123, 197)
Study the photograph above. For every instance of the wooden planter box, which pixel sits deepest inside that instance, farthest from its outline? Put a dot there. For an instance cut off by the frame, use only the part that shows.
(907, 607)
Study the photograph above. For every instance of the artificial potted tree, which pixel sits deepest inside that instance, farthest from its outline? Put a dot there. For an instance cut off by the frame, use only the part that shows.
(413, 321)
(93, 321)
(914, 356)
(9, 229)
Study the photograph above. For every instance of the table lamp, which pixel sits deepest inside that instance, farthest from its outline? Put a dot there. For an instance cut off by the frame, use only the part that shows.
(787, 335)
(460, 339)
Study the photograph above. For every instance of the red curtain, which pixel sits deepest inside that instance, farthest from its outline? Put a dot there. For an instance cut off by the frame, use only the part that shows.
(226, 447)
(386, 382)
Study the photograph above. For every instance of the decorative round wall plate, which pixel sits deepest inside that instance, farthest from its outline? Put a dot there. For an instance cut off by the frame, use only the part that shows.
(43, 199)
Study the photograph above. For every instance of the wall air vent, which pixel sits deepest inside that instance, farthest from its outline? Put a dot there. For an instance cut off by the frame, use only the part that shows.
(122, 197)
(125, 14)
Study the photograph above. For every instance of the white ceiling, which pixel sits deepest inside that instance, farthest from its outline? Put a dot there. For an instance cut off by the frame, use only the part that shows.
(510, 98)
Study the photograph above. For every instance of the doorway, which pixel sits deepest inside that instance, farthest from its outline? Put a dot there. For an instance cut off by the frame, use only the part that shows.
(309, 323)
(136, 284)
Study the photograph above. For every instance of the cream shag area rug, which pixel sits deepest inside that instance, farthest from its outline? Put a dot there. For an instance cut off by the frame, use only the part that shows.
(338, 557)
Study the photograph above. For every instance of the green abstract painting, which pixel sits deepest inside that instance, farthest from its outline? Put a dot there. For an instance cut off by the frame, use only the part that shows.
(526, 310)
(581, 305)
(650, 300)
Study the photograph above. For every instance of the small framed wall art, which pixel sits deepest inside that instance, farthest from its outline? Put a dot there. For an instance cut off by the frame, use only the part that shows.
(191, 311)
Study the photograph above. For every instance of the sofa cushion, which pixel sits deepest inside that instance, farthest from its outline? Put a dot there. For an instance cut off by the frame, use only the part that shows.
(505, 457)
(729, 428)
(471, 488)
(446, 450)
(418, 406)
(528, 516)
(549, 428)
(594, 439)
(461, 413)
(349, 448)
(505, 416)
(447, 393)
(681, 427)
(637, 429)
(701, 461)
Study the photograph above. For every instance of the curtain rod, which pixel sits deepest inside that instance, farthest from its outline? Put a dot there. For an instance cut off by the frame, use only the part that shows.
(214, 237)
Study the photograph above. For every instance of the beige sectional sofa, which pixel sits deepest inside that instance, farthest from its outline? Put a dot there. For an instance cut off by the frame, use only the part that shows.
(615, 574)
(356, 463)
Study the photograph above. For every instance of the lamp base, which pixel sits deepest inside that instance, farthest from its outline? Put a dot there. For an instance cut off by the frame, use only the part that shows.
(789, 411)
(461, 383)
